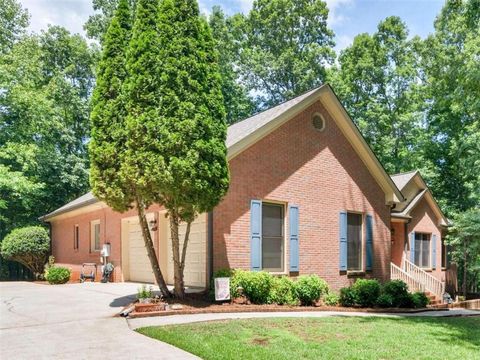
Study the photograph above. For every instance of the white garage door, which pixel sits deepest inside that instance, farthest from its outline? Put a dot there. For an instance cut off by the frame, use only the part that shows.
(196, 259)
(139, 263)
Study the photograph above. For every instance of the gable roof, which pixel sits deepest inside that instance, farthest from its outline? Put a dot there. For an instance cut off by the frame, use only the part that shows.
(402, 180)
(245, 133)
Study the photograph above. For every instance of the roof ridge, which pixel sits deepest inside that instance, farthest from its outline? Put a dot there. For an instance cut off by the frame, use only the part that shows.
(279, 104)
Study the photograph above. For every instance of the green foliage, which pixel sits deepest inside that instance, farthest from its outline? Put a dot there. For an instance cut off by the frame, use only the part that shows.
(256, 285)
(28, 246)
(144, 292)
(463, 242)
(107, 146)
(238, 104)
(13, 23)
(58, 275)
(347, 297)
(309, 289)
(283, 291)
(378, 82)
(397, 290)
(331, 299)
(284, 48)
(366, 291)
(386, 300)
(420, 300)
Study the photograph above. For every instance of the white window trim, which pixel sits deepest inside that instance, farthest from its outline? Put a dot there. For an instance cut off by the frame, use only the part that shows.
(429, 266)
(92, 236)
(284, 242)
(363, 241)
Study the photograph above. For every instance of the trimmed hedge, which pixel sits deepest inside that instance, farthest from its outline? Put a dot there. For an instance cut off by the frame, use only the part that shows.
(58, 275)
(366, 292)
(309, 289)
(282, 291)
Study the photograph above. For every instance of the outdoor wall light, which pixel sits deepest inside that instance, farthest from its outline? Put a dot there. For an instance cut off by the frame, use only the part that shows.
(153, 225)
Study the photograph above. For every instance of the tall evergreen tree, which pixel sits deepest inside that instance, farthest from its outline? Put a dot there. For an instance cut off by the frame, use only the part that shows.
(107, 145)
(191, 166)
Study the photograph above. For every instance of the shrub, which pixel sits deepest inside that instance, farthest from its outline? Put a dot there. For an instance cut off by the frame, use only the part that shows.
(385, 301)
(58, 275)
(366, 292)
(398, 292)
(256, 285)
(309, 288)
(282, 291)
(331, 299)
(145, 293)
(420, 300)
(347, 297)
(28, 246)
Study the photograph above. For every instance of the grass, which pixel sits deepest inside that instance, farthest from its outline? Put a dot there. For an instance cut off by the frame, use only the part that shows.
(327, 338)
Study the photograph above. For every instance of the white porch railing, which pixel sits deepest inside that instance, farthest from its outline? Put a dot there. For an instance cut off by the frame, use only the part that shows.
(424, 279)
(396, 273)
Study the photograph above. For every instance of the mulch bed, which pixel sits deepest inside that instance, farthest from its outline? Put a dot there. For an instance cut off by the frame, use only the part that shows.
(199, 304)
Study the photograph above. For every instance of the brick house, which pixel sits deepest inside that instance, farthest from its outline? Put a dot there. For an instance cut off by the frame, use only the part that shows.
(307, 196)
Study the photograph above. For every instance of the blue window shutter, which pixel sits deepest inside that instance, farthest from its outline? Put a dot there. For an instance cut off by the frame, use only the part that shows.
(343, 241)
(369, 230)
(434, 251)
(294, 245)
(412, 247)
(256, 235)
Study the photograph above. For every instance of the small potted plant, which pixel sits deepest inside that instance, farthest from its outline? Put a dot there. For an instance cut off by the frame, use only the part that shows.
(144, 294)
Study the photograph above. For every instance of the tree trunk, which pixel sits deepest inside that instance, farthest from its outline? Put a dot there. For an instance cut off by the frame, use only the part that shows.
(151, 250)
(178, 262)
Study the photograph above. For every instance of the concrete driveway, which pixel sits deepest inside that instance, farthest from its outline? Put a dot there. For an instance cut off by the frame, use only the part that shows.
(73, 321)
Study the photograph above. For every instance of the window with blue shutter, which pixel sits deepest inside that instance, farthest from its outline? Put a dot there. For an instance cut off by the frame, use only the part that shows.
(434, 251)
(256, 235)
(412, 247)
(343, 241)
(369, 241)
(294, 245)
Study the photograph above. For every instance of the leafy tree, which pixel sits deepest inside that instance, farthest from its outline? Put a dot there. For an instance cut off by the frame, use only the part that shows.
(28, 246)
(450, 61)
(45, 84)
(98, 23)
(191, 174)
(286, 46)
(464, 241)
(238, 104)
(13, 22)
(378, 82)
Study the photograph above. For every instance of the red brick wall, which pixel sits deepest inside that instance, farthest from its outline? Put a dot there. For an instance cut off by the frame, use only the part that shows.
(110, 232)
(424, 220)
(320, 172)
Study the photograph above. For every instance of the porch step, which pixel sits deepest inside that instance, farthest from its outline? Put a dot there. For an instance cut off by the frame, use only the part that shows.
(433, 299)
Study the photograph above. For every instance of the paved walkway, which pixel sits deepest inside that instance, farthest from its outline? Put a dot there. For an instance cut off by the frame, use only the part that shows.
(73, 321)
(191, 318)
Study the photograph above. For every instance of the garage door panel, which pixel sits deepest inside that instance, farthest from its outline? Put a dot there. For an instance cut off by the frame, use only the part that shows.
(139, 263)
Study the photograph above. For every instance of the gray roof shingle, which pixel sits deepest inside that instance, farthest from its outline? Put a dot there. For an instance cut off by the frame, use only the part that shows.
(402, 179)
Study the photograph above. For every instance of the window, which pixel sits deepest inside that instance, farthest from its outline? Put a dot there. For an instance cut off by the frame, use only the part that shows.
(422, 250)
(354, 242)
(75, 237)
(95, 235)
(272, 237)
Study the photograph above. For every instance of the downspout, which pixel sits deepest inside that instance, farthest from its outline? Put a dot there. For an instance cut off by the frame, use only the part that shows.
(210, 248)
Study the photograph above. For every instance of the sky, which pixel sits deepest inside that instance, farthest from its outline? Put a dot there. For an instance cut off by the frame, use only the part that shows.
(347, 18)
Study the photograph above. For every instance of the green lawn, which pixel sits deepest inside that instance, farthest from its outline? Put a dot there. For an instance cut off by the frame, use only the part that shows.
(327, 338)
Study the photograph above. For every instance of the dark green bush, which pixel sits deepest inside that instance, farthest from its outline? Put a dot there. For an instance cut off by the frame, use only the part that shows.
(366, 291)
(385, 301)
(397, 290)
(347, 297)
(282, 291)
(29, 246)
(58, 275)
(309, 289)
(256, 285)
(331, 299)
(420, 300)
